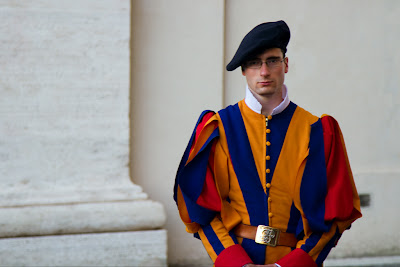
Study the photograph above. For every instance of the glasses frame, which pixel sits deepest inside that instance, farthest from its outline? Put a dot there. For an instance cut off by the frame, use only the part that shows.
(268, 62)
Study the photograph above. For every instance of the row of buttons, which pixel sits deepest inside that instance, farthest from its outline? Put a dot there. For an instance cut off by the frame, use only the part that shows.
(268, 143)
(268, 157)
(269, 203)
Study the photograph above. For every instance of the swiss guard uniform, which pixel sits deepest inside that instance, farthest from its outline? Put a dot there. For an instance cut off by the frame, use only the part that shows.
(275, 189)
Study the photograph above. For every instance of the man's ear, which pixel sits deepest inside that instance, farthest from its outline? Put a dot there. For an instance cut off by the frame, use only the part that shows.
(286, 61)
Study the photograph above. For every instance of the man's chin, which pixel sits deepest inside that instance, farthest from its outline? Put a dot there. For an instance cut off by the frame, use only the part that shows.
(266, 91)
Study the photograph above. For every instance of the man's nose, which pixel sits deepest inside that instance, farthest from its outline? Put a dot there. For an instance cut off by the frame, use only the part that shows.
(264, 70)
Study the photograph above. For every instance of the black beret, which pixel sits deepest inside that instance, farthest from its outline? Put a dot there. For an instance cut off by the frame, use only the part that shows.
(264, 36)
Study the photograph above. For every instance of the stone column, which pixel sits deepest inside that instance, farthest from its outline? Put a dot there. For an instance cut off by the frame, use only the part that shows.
(66, 196)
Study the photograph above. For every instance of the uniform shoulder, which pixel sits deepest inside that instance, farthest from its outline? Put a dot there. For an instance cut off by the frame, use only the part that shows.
(205, 118)
(306, 115)
(329, 124)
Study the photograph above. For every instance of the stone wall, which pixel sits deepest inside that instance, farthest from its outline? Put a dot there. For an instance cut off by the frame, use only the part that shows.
(66, 196)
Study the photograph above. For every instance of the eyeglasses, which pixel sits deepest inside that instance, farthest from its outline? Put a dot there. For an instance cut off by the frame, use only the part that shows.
(257, 63)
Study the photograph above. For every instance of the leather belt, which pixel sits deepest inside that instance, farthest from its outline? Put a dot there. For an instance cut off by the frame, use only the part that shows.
(266, 235)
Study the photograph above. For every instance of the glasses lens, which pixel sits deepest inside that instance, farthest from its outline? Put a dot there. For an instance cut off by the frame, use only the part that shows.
(254, 64)
(272, 63)
(257, 63)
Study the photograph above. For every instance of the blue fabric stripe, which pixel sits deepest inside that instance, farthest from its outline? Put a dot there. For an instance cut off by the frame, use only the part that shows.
(213, 239)
(246, 172)
(187, 152)
(300, 230)
(255, 251)
(278, 125)
(243, 164)
(191, 177)
(314, 182)
(233, 236)
(294, 219)
(191, 182)
(325, 251)
(311, 242)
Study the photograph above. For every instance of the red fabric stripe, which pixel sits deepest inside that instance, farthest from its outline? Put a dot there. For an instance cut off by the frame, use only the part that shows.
(297, 258)
(209, 197)
(339, 199)
(233, 256)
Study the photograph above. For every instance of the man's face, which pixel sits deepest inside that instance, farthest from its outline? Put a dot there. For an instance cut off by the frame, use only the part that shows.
(267, 81)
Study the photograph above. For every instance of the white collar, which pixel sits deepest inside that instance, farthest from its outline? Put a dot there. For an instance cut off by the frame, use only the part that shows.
(254, 105)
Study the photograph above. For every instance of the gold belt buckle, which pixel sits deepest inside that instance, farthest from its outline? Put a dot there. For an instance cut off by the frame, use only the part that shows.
(267, 235)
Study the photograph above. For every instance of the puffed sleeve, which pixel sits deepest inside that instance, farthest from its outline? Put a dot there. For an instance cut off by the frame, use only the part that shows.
(200, 202)
(194, 174)
(328, 197)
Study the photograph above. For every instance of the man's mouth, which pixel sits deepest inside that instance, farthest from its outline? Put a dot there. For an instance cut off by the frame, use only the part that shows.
(264, 83)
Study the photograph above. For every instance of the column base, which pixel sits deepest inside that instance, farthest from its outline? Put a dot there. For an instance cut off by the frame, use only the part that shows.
(137, 248)
(81, 218)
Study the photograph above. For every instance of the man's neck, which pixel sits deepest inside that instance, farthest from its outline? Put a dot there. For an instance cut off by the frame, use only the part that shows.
(269, 102)
(253, 103)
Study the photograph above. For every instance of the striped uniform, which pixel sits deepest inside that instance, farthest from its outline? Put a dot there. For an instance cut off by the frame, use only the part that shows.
(289, 171)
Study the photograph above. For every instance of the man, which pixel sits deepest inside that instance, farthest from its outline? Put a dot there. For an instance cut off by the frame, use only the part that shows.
(264, 181)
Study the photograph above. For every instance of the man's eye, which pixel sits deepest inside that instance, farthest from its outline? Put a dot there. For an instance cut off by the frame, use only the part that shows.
(253, 62)
(272, 61)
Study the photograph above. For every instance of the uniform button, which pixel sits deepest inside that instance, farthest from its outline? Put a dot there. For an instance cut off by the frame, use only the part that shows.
(267, 157)
(268, 143)
(270, 214)
(268, 186)
(269, 199)
(269, 117)
(267, 170)
(268, 130)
